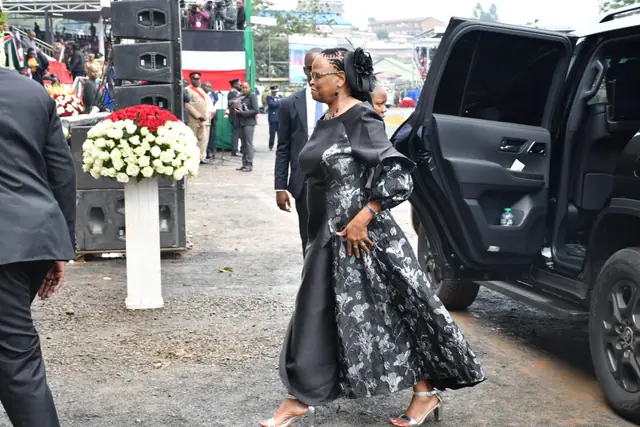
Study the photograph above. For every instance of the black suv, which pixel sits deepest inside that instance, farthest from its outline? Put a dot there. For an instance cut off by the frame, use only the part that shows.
(544, 124)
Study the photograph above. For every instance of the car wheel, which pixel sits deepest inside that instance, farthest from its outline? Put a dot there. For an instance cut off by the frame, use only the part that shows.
(614, 332)
(454, 294)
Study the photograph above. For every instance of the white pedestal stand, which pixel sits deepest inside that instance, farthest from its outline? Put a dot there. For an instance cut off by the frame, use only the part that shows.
(144, 285)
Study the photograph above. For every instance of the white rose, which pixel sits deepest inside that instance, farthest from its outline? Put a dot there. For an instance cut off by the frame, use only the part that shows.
(157, 163)
(118, 164)
(192, 166)
(95, 174)
(104, 156)
(131, 128)
(147, 172)
(135, 140)
(156, 151)
(98, 164)
(100, 143)
(150, 137)
(122, 177)
(60, 110)
(176, 163)
(86, 167)
(167, 156)
(179, 173)
(110, 143)
(115, 133)
(120, 124)
(139, 151)
(160, 170)
(144, 131)
(168, 170)
(145, 145)
(144, 161)
(116, 154)
(133, 170)
(87, 145)
(108, 172)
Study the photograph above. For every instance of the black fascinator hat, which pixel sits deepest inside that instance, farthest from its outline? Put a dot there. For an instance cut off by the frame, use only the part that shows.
(358, 68)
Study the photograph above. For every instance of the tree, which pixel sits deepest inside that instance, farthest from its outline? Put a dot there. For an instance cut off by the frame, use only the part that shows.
(382, 34)
(490, 15)
(607, 5)
(271, 44)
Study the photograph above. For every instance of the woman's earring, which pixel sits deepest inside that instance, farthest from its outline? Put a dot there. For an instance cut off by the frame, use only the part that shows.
(337, 91)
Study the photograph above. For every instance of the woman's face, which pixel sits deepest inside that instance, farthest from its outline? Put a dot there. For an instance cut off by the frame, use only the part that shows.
(325, 80)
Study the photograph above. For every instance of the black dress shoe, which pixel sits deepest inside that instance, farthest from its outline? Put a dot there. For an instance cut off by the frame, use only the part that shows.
(247, 169)
(235, 155)
(241, 169)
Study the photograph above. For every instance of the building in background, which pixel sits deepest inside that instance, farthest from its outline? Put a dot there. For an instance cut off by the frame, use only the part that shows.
(407, 26)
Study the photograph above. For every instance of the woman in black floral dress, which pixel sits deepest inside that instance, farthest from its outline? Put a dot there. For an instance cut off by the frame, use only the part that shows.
(366, 321)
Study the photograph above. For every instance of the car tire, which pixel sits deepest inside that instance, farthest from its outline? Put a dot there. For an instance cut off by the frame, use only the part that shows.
(614, 335)
(455, 294)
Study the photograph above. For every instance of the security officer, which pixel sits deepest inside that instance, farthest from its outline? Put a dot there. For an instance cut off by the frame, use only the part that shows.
(273, 102)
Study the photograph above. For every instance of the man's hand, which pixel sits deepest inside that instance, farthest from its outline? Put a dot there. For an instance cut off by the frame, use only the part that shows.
(282, 199)
(52, 282)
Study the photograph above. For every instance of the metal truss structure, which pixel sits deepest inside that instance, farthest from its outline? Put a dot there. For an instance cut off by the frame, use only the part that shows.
(51, 6)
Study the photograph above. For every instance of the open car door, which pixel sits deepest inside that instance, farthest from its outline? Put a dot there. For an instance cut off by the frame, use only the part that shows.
(481, 138)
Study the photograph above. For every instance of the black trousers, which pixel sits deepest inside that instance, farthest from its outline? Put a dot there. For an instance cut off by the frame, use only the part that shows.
(236, 132)
(24, 391)
(303, 218)
(273, 131)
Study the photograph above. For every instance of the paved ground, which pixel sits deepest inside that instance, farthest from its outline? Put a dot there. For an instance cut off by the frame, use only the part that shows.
(209, 358)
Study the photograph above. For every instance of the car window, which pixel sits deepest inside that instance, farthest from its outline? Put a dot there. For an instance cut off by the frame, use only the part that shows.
(601, 96)
(499, 77)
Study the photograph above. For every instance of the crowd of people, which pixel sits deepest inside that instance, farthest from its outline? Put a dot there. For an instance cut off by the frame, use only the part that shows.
(226, 15)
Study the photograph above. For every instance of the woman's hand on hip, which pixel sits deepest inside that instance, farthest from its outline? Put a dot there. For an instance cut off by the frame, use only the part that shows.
(356, 235)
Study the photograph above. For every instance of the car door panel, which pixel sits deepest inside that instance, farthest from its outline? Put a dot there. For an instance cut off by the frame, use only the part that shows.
(485, 183)
(475, 167)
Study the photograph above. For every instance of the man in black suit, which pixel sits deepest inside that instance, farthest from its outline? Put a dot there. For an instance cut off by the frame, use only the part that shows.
(298, 116)
(273, 102)
(37, 222)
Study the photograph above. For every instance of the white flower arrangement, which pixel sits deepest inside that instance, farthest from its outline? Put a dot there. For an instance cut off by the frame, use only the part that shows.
(124, 149)
(68, 105)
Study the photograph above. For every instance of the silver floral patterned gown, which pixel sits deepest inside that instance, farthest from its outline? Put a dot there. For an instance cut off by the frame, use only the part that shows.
(369, 326)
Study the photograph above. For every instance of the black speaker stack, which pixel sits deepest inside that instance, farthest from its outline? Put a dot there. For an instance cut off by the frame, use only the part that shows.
(147, 69)
(152, 53)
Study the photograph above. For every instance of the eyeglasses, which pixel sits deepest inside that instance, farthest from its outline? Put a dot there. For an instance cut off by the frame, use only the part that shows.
(318, 76)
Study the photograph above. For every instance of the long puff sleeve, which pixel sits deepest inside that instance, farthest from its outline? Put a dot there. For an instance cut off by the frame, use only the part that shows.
(390, 181)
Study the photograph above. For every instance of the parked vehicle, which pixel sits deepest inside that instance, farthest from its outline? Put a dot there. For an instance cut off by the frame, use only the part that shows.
(528, 179)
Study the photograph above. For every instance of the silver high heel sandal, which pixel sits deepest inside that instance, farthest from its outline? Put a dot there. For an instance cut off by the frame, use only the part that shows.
(311, 415)
(436, 410)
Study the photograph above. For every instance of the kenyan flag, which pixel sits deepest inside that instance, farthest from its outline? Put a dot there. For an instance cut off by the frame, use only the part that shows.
(13, 51)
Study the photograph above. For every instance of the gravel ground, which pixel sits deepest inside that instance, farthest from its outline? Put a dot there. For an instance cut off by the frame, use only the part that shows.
(209, 357)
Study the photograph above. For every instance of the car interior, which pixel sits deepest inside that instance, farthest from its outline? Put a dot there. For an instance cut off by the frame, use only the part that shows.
(490, 114)
(611, 118)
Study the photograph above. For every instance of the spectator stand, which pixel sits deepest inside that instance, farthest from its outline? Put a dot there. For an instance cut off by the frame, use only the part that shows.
(220, 56)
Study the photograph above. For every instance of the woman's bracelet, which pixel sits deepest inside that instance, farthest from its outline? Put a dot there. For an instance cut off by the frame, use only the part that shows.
(374, 213)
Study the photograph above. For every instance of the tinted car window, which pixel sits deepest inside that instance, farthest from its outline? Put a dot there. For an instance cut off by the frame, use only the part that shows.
(499, 77)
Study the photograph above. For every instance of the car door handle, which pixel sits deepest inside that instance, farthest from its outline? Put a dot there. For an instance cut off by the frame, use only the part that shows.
(512, 145)
(537, 148)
